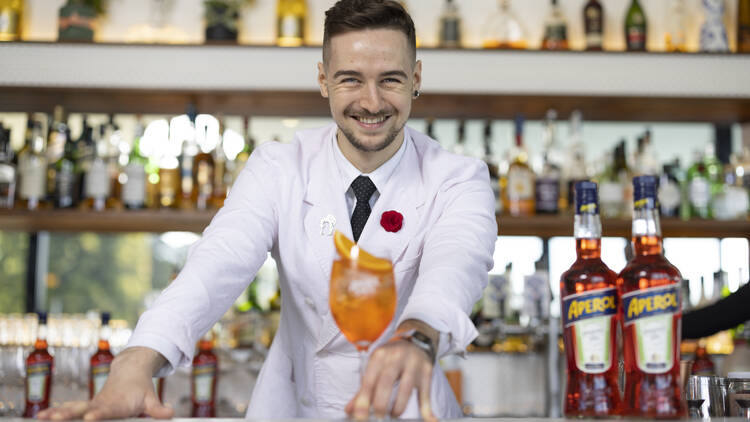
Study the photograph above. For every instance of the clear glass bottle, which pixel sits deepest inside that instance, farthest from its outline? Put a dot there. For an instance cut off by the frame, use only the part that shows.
(32, 166)
(649, 289)
(588, 291)
(187, 164)
(503, 29)
(204, 167)
(492, 166)
(134, 189)
(555, 29)
(547, 188)
(8, 171)
(675, 35)
(713, 35)
(290, 22)
(519, 191)
(449, 35)
(97, 178)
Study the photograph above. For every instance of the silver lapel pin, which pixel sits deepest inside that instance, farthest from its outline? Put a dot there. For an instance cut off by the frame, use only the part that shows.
(327, 224)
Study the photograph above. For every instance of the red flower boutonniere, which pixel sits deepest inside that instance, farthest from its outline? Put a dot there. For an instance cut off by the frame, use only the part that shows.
(392, 221)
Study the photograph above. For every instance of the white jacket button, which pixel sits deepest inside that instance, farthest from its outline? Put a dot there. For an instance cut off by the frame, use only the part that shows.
(306, 402)
(309, 302)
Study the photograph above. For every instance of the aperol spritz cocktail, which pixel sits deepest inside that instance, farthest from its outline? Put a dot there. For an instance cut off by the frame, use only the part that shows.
(362, 294)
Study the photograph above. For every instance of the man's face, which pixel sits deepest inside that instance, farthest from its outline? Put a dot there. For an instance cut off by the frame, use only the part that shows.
(369, 80)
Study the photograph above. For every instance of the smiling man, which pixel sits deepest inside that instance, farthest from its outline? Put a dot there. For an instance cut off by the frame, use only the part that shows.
(350, 175)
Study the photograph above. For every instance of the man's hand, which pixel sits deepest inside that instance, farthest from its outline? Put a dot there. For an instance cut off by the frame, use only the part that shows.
(128, 392)
(398, 360)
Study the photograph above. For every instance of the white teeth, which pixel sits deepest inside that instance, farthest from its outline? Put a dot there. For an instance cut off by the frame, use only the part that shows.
(371, 121)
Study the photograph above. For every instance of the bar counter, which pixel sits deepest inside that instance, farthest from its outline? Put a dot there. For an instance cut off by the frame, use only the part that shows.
(733, 419)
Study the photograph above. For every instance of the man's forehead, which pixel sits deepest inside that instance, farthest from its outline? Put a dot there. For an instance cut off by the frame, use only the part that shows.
(383, 45)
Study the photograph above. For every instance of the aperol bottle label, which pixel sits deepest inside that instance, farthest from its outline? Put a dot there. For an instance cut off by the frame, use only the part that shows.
(203, 377)
(590, 314)
(99, 374)
(651, 311)
(36, 381)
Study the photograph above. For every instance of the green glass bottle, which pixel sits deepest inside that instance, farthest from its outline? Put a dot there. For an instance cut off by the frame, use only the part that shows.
(635, 27)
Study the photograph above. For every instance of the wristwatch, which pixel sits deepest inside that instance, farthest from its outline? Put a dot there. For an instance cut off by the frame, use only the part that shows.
(420, 340)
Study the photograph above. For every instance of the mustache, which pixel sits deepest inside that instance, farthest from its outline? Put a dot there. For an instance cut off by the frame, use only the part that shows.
(360, 112)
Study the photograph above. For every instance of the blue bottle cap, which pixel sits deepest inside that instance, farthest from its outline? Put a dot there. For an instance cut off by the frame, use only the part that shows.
(42, 317)
(587, 199)
(105, 318)
(644, 192)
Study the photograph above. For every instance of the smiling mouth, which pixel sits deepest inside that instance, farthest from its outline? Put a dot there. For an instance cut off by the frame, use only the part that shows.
(371, 122)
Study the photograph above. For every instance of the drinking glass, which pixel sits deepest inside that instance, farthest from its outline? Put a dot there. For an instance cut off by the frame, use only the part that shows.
(362, 298)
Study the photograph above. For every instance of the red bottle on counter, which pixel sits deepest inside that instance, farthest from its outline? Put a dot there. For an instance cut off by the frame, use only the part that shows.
(101, 360)
(702, 364)
(204, 378)
(649, 289)
(39, 366)
(589, 311)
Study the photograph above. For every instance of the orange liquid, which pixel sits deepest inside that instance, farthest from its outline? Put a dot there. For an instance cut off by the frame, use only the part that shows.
(651, 395)
(589, 395)
(100, 362)
(362, 302)
(41, 364)
(497, 45)
(205, 364)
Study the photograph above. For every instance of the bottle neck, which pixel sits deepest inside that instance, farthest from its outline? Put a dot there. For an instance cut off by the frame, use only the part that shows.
(104, 334)
(646, 232)
(205, 345)
(587, 230)
(41, 337)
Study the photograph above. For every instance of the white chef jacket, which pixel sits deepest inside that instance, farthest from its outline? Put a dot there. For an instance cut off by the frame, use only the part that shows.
(279, 203)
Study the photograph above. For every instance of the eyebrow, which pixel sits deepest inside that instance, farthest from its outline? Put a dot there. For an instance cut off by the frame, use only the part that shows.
(359, 74)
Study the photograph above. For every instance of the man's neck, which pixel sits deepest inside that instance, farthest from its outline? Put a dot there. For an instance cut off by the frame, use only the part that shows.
(367, 161)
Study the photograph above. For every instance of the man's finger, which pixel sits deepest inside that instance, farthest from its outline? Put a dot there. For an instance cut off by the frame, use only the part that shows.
(363, 399)
(67, 411)
(98, 411)
(384, 388)
(406, 386)
(156, 409)
(423, 393)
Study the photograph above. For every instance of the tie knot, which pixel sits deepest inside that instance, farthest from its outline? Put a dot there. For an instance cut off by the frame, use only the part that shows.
(363, 189)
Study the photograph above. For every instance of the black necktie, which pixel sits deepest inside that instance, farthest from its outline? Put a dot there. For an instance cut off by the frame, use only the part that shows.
(363, 189)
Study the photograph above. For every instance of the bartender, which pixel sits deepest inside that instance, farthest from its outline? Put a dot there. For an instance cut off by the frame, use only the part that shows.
(439, 235)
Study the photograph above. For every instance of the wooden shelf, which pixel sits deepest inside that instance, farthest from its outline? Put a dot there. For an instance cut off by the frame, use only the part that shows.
(274, 81)
(159, 221)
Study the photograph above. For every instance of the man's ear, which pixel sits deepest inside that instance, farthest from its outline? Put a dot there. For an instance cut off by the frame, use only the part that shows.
(417, 76)
(322, 82)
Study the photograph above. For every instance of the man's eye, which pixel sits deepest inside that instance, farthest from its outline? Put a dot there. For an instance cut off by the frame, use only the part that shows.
(391, 81)
(349, 81)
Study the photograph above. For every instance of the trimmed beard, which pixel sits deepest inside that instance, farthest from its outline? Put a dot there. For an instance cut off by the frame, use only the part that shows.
(356, 143)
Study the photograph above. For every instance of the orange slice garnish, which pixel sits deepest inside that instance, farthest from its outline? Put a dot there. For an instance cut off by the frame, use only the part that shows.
(349, 250)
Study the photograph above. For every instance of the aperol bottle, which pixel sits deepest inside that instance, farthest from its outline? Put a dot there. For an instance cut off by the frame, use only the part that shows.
(589, 311)
(204, 378)
(39, 366)
(649, 289)
(101, 360)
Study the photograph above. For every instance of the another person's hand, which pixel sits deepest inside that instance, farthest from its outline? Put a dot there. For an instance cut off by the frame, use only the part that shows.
(398, 360)
(128, 392)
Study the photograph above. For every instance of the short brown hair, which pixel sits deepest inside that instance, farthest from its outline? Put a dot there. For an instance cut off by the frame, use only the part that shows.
(354, 15)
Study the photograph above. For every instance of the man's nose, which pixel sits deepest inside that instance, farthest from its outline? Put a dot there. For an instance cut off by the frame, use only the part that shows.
(371, 99)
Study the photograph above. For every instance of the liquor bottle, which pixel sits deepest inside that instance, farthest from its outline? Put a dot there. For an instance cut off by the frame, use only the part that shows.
(28, 140)
(460, 146)
(8, 171)
(743, 26)
(646, 161)
(134, 188)
(116, 156)
(699, 180)
(588, 291)
(519, 196)
(32, 167)
(489, 159)
(713, 36)
(555, 29)
(203, 184)
(97, 178)
(11, 16)
(187, 162)
(547, 187)
(290, 24)
(204, 378)
(57, 137)
(450, 26)
(613, 185)
(675, 38)
(702, 363)
(222, 172)
(85, 153)
(670, 194)
(593, 24)
(239, 162)
(65, 180)
(649, 290)
(101, 360)
(574, 165)
(39, 369)
(635, 27)
(503, 29)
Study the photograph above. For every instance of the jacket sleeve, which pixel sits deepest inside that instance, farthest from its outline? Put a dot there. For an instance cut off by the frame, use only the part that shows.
(219, 266)
(456, 256)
